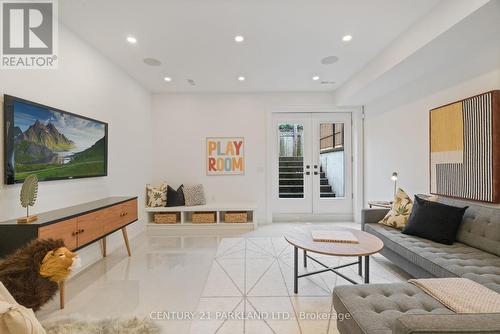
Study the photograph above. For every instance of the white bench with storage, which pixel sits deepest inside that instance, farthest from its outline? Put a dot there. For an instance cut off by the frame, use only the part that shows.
(203, 217)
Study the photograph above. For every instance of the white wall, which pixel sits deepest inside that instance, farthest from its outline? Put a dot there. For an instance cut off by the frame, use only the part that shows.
(397, 139)
(88, 84)
(181, 122)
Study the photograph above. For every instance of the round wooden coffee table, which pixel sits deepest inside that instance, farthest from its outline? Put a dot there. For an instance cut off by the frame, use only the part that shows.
(300, 237)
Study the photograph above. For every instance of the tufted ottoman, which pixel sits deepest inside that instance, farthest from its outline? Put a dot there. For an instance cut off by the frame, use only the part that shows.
(375, 308)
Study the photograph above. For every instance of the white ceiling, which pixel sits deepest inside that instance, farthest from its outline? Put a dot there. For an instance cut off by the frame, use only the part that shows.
(284, 39)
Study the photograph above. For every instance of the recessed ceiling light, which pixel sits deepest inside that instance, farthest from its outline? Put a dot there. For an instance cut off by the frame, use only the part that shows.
(315, 78)
(131, 39)
(347, 38)
(167, 79)
(241, 78)
(239, 39)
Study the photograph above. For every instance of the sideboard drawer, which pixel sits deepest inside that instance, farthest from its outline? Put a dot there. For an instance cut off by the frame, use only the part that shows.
(121, 215)
(128, 212)
(90, 227)
(65, 230)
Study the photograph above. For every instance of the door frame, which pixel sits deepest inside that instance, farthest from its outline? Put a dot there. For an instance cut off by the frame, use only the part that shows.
(357, 139)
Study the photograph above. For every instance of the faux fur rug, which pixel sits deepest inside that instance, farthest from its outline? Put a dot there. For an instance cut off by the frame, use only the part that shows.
(107, 326)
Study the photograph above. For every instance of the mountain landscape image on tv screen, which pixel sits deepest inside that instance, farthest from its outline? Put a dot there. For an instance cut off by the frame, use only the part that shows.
(54, 145)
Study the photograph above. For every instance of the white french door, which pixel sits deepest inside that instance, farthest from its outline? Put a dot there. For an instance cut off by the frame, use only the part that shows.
(312, 163)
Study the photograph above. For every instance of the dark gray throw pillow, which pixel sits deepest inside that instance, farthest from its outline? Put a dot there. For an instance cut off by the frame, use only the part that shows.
(434, 221)
(175, 197)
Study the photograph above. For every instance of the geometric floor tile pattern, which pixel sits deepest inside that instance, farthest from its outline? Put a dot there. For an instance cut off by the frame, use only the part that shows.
(250, 290)
(248, 275)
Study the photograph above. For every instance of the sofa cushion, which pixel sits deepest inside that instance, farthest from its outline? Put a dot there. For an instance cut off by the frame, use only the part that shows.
(442, 260)
(375, 308)
(434, 221)
(480, 227)
(401, 207)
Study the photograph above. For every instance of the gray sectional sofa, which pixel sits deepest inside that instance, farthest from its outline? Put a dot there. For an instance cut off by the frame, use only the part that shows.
(403, 308)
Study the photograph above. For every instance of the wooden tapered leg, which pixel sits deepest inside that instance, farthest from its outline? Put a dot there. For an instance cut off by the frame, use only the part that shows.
(103, 246)
(125, 238)
(61, 294)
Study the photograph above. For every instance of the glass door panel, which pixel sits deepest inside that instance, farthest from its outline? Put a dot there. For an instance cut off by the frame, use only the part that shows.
(291, 160)
(291, 163)
(331, 160)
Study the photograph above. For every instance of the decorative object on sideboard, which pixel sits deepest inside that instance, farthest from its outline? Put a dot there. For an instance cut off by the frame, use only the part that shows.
(394, 178)
(194, 195)
(29, 192)
(465, 148)
(225, 155)
(35, 265)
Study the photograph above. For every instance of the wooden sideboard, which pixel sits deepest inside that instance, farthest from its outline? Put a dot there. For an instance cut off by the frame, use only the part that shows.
(79, 226)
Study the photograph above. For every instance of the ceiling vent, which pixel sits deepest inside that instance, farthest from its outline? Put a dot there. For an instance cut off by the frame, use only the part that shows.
(329, 60)
(151, 61)
(191, 82)
(328, 82)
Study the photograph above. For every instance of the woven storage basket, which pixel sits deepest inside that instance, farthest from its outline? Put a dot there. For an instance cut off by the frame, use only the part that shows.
(236, 217)
(167, 218)
(203, 217)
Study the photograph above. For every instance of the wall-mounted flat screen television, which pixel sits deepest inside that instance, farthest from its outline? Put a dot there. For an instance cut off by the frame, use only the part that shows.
(51, 143)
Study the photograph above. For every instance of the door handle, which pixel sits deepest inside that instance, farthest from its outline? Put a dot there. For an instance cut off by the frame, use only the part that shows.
(308, 166)
(315, 166)
(315, 173)
(308, 173)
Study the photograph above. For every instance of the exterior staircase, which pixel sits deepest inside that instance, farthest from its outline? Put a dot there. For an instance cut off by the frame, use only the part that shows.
(291, 179)
(325, 187)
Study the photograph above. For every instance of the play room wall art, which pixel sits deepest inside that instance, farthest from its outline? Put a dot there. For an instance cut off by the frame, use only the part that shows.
(465, 148)
(225, 156)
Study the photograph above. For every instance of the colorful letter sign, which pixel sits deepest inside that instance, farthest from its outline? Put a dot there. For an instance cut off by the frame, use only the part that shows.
(225, 156)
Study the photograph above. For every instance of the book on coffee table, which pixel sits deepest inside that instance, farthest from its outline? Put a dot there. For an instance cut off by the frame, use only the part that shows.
(334, 236)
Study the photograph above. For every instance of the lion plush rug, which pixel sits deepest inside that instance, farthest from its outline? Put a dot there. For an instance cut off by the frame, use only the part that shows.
(109, 326)
(32, 273)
